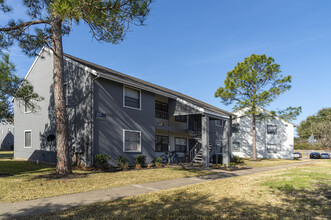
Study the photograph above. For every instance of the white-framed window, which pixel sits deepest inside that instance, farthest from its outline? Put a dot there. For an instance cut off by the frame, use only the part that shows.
(235, 146)
(271, 129)
(26, 109)
(272, 148)
(180, 144)
(131, 141)
(219, 123)
(27, 139)
(131, 98)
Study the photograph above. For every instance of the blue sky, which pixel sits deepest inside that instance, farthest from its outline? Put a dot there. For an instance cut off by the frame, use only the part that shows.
(190, 45)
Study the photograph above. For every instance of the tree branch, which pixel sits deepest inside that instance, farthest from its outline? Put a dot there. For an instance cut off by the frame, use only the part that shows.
(24, 24)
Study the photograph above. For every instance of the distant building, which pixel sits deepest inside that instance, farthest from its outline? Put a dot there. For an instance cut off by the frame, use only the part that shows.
(274, 137)
(6, 135)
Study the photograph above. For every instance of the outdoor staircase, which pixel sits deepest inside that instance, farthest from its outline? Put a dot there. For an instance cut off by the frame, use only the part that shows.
(197, 158)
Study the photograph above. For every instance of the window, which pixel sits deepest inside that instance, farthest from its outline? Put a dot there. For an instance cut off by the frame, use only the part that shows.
(161, 143)
(235, 128)
(181, 118)
(27, 139)
(235, 146)
(271, 148)
(132, 141)
(9, 130)
(132, 98)
(219, 123)
(26, 108)
(8, 141)
(161, 110)
(180, 144)
(271, 129)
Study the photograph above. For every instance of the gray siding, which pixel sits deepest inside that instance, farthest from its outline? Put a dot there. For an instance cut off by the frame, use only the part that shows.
(108, 135)
(42, 122)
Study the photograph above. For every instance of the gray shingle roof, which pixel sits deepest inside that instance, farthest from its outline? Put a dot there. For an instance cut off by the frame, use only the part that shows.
(135, 80)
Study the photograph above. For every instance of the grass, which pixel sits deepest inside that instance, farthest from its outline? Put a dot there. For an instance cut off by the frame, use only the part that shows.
(22, 180)
(257, 196)
(6, 154)
(267, 162)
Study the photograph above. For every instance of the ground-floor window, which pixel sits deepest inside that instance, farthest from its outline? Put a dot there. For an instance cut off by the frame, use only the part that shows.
(235, 146)
(132, 141)
(271, 148)
(161, 143)
(180, 144)
(27, 139)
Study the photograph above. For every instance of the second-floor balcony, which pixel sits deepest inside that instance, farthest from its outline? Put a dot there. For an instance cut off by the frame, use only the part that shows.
(161, 114)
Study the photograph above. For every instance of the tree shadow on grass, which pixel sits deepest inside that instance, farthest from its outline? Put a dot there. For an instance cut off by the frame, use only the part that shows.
(12, 167)
(182, 204)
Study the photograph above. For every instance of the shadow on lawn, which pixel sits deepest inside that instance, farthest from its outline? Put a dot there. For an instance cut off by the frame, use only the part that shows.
(12, 167)
(191, 205)
(6, 155)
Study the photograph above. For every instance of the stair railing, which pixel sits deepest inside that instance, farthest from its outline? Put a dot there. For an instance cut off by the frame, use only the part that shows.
(194, 151)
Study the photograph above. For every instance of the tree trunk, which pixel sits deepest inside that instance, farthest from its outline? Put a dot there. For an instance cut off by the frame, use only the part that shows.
(63, 165)
(254, 137)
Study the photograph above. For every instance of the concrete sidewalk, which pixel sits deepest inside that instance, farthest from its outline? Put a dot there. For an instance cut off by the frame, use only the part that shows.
(52, 204)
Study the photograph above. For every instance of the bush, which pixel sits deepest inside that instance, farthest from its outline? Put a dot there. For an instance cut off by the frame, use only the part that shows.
(101, 161)
(236, 159)
(141, 160)
(123, 162)
(157, 161)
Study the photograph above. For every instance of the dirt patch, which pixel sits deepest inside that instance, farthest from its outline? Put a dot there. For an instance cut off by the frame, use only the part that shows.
(57, 176)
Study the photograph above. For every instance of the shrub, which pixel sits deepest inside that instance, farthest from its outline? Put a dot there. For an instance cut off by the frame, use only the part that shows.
(157, 161)
(219, 165)
(123, 162)
(101, 161)
(141, 160)
(137, 166)
(232, 164)
(224, 165)
(236, 159)
(214, 166)
(149, 165)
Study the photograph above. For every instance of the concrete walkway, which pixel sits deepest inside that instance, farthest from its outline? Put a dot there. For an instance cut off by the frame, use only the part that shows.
(52, 204)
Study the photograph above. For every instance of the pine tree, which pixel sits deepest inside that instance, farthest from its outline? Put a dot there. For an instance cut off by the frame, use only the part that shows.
(108, 20)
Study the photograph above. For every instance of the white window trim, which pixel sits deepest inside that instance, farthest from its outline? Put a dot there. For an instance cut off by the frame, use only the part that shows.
(272, 125)
(26, 112)
(222, 123)
(233, 149)
(124, 86)
(131, 151)
(276, 145)
(24, 138)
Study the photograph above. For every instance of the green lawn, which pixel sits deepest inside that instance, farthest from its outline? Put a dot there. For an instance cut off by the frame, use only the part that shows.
(22, 180)
(302, 192)
(267, 162)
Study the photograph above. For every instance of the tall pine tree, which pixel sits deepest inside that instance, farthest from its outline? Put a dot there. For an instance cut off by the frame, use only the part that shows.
(108, 20)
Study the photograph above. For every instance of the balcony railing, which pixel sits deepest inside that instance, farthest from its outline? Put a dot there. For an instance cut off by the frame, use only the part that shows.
(161, 114)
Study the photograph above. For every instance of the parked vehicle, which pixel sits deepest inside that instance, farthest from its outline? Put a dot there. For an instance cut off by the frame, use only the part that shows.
(315, 155)
(297, 155)
(325, 156)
